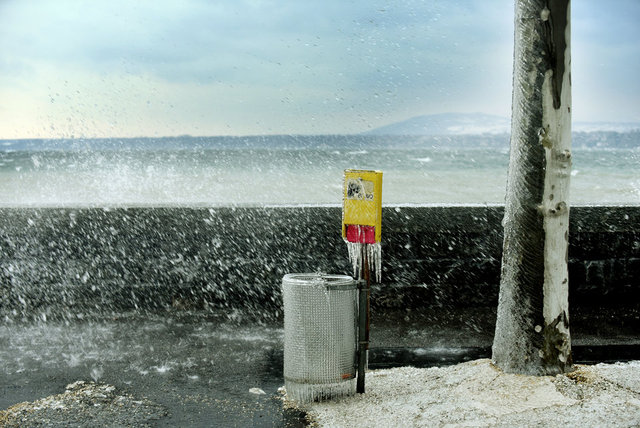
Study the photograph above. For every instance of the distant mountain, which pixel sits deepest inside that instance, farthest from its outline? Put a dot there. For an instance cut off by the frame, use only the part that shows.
(479, 124)
(446, 124)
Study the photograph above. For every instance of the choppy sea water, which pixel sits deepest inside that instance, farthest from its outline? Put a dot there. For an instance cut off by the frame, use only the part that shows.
(290, 176)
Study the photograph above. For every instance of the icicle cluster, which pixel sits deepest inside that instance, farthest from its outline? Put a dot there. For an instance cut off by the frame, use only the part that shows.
(374, 258)
(303, 393)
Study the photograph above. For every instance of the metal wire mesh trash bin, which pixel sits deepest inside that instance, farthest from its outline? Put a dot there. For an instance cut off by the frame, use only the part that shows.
(319, 336)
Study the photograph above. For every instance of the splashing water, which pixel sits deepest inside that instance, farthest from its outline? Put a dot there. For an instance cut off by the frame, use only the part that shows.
(96, 373)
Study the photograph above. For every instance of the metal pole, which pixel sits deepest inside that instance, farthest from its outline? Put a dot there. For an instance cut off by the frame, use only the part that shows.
(364, 286)
(367, 278)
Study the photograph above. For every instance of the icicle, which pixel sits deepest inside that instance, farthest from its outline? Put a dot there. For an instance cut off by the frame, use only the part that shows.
(303, 393)
(355, 256)
(374, 258)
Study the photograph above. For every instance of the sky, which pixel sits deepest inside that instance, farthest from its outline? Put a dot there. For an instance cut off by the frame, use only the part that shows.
(122, 68)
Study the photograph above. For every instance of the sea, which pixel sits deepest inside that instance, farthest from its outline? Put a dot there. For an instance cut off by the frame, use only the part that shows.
(289, 170)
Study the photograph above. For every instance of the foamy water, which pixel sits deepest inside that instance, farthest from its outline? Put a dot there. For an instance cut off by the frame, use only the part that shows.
(286, 176)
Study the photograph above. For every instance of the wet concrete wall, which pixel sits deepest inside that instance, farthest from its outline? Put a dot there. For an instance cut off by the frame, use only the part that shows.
(61, 261)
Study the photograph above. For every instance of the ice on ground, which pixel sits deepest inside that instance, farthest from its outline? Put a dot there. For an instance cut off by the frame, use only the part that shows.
(164, 368)
(84, 404)
(477, 393)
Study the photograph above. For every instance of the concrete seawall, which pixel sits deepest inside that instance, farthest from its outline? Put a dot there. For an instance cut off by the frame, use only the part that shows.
(60, 261)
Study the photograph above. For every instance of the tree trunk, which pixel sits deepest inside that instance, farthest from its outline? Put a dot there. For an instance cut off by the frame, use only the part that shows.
(532, 329)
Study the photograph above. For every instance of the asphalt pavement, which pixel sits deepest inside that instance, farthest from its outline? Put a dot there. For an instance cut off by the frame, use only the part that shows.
(221, 369)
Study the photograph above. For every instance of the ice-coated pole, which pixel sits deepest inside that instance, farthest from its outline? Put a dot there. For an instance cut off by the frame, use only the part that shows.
(361, 230)
(364, 287)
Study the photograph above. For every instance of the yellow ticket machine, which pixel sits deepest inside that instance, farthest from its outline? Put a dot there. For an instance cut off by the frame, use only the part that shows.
(362, 206)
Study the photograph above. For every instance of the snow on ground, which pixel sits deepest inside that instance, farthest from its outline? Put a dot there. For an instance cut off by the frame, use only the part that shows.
(477, 393)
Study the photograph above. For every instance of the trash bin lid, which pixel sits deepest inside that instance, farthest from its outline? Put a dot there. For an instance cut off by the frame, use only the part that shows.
(330, 281)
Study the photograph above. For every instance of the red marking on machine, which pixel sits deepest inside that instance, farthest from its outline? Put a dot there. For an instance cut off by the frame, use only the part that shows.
(361, 234)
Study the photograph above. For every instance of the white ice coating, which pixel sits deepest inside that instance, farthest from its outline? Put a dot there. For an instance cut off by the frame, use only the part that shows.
(555, 136)
(374, 258)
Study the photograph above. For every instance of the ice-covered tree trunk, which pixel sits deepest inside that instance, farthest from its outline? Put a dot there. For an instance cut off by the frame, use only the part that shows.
(532, 329)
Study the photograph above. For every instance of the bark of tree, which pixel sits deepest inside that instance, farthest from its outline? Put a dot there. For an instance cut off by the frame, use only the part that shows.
(532, 329)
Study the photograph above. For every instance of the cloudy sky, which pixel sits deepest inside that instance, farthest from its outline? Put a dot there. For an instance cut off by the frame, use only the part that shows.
(110, 68)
